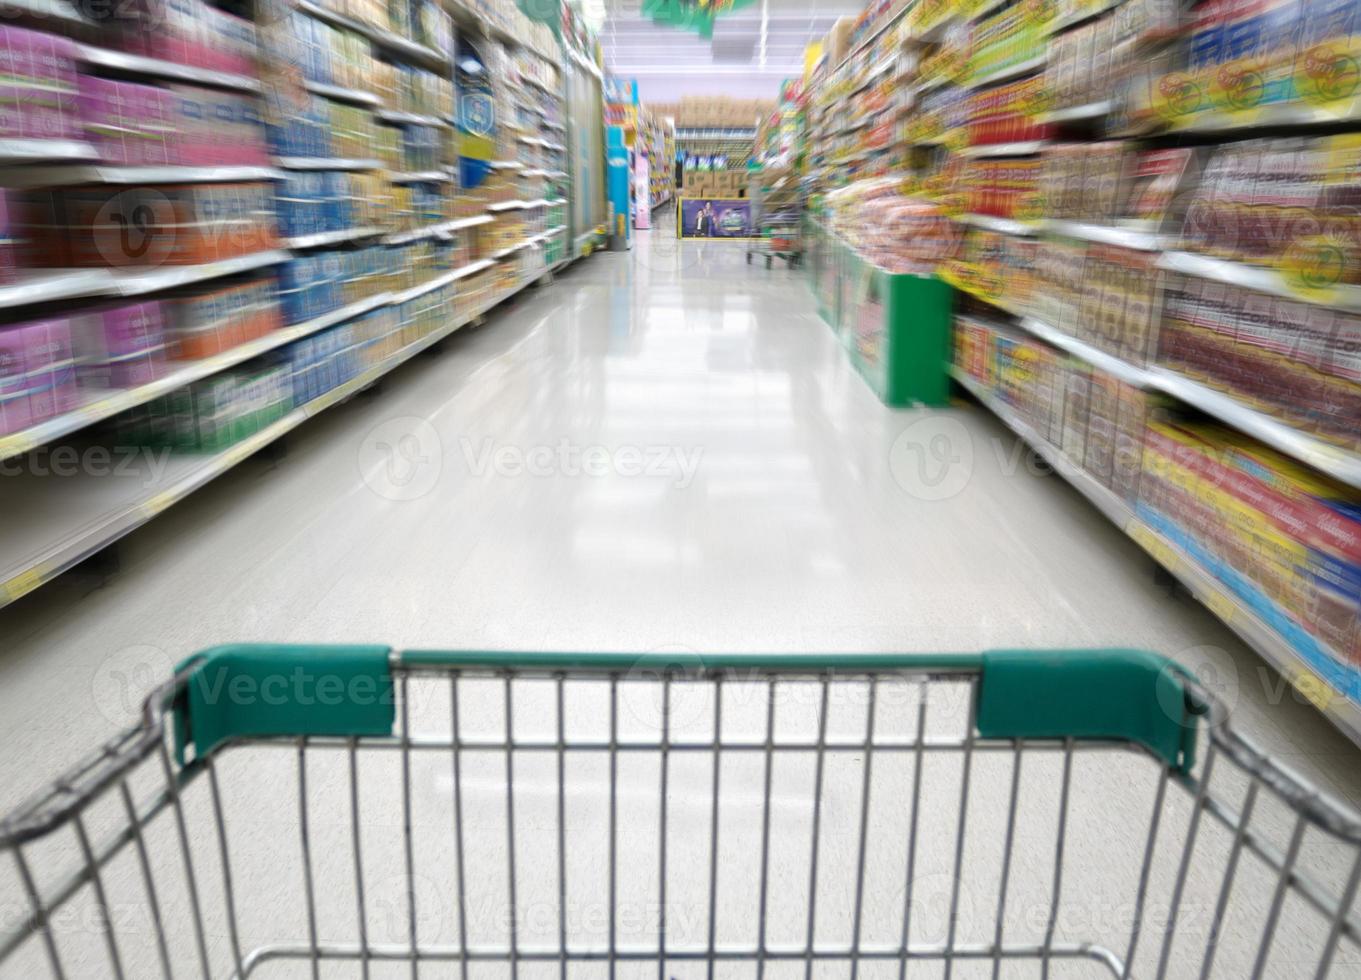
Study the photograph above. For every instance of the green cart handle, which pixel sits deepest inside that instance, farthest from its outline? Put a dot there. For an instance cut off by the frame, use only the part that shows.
(264, 690)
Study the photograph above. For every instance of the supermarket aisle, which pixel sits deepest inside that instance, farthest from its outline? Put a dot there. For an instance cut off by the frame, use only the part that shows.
(664, 449)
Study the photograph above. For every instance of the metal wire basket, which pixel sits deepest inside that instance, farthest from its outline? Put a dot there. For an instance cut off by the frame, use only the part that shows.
(341, 811)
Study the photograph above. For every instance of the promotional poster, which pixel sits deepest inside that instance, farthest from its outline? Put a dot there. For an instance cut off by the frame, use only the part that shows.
(705, 217)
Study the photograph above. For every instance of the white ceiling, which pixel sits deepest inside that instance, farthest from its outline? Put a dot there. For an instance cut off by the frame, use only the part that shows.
(751, 51)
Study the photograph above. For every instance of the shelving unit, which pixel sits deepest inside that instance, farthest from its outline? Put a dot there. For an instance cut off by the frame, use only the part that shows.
(62, 526)
(940, 122)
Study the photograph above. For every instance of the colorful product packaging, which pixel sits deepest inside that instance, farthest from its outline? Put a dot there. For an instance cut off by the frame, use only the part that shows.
(119, 346)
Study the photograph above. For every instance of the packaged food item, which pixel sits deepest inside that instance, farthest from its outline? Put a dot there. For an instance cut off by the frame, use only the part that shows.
(119, 346)
(38, 91)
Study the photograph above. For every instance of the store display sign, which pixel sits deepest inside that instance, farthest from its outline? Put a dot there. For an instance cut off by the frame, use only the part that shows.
(710, 217)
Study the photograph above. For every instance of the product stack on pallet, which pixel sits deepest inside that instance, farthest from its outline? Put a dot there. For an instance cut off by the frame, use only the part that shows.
(1159, 273)
(218, 228)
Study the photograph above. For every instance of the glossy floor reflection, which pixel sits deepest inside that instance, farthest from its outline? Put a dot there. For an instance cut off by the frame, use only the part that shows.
(665, 449)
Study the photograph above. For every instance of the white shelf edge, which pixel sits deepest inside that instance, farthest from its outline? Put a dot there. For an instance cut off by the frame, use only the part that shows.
(386, 39)
(139, 282)
(96, 173)
(110, 403)
(323, 238)
(1257, 278)
(1325, 457)
(327, 163)
(429, 286)
(1106, 363)
(110, 527)
(1010, 72)
(1005, 226)
(472, 268)
(402, 118)
(1092, 110)
(1141, 241)
(54, 284)
(1207, 590)
(419, 177)
(1018, 149)
(140, 65)
(49, 151)
(505, 206)
(338, 93)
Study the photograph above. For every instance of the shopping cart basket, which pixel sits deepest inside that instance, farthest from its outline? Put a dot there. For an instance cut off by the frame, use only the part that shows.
(344, 811)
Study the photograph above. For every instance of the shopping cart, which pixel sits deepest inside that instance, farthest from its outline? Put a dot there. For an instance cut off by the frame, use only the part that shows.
(348, 810)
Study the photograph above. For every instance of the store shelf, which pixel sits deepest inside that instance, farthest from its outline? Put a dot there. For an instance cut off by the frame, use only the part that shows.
(52, 11)
(1107, 363)
(505, 206)
(391, 42)
(327, 163)
(337, 93)
(324, 238)
(507, 252)
(556, 201)
(1142, 241)
(1005, 226)
(555, 147)
(1077, 113)
(54, 151)
(76, 174)
(410, 119)
(135, 64)
(506, 165)
(420, 177)
(436, 231)
(535, 205)
(1244, 621)
(1079, 16)
(1260, 279)
(1010, 72)
(54, 525)
(472, 268)
(1020, 149)
(429, 286)
(559, 229)
(1335, 461)
(1288, 114)
(47, 285)
(985, 8)
(106, 404)
(138, 282)
(868, 40)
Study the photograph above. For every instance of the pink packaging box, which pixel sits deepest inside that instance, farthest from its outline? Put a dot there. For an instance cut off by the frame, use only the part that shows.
(15, 413)
(128, 124)
(37, 86)
(51, 369)
(120, 346)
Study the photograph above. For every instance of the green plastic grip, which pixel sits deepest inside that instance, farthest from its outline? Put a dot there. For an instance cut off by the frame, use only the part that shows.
(1129, 695)
(252, 690)
(260, 690)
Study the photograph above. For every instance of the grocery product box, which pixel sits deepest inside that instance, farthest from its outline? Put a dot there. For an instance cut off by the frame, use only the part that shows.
(38, 91)
(119, 346)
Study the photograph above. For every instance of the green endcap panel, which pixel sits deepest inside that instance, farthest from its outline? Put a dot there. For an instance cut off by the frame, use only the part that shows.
(261, 690)
(1132, 695)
